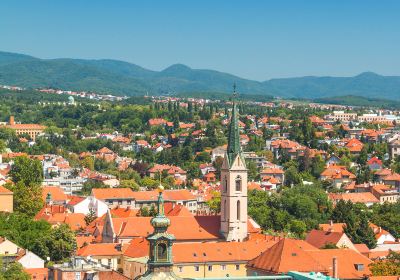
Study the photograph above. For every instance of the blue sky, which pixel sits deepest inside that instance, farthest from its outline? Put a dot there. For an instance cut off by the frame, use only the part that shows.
(253, 39)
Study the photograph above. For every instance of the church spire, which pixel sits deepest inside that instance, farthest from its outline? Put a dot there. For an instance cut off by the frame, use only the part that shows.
(233, 134)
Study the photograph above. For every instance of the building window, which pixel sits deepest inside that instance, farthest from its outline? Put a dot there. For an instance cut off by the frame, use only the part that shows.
(128, 202)
(210, 268)
(238, 184)
(223, 267)
(109, 262)
(180, 268)
(119, 202)
(238, 210)
(237, 267)
(196, 268)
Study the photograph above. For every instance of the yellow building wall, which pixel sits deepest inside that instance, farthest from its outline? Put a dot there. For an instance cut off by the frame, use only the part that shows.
(6, 202)
(189, 270)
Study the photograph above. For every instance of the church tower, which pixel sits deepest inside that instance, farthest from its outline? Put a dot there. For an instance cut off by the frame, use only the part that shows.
(160, 256)
(234, 184)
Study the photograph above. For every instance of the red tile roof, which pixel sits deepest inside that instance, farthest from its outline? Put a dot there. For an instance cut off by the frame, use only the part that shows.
(4, 190)
(101, 249)
(57, 194)
(320, 238)
(297, 255)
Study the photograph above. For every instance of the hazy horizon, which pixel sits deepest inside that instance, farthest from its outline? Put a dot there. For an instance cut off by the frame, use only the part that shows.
(257, 40)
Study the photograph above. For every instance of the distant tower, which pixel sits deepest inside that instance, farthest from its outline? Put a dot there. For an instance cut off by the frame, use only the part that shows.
(49, 200)
(71, 100)
(160, 257)
(234, 184)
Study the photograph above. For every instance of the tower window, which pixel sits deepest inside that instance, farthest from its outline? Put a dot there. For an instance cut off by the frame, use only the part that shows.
(238, 184)
(224, 213)
(162, 252)
(225, 185)
(238, 210)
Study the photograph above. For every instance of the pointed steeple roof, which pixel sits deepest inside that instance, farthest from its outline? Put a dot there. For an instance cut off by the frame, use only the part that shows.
(234, 148)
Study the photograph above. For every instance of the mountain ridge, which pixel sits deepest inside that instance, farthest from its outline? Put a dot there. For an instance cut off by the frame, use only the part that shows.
(124, 78)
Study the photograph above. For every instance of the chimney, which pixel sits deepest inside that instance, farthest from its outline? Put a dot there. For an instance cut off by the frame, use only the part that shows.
(335, 267)
(11, 122)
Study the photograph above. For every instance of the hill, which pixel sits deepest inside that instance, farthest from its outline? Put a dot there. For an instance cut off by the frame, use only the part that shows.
(352, 100)
(123, 78)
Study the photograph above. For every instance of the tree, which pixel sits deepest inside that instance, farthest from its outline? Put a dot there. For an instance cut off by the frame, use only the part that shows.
(88, 162)
(91, 184)
(90, 217)
(26, 170)
(388, 267)
(62, 243)
(14, 271)
(252, 170)
(27, 199)
(292, 177)
(357, 224)
(215, 202)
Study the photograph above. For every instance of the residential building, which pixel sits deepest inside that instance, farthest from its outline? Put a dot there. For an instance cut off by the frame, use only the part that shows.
(298, 255)
(6, 200)
(321, 239)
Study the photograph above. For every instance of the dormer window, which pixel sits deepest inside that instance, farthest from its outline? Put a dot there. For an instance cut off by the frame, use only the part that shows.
(359, 266)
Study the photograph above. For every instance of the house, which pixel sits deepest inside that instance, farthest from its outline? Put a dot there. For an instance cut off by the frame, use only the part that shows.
(374, 163)
(273, 172)
(84, 268)
(338, 175)
(13, 252)
(139, 145)
(285, 146)
(85, 205)
(382, 236)
(106, 154)
(121, 197)
(385, 193)
(157, 122)
(218, 152)
(333, 160)
(106, 254)
(321, 238)
(29, 260)
(354, 145)
(54, 195)
(394, 146)
(210, 177)
(199, 260)
(298, 255)
(8, 247)
(6, 200)
(392, 180)
(174, 171)
(366, 198)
